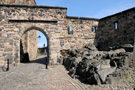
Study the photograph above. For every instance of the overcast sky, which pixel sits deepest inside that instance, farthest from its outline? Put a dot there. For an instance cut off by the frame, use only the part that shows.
(88, 8)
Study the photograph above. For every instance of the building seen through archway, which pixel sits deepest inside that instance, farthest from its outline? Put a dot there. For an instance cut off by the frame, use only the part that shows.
(33, 44)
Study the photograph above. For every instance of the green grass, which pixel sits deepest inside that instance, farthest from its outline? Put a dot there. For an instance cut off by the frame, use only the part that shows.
(39, 53)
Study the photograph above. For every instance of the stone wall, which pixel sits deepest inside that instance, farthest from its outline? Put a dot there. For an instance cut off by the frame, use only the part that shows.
(32, 47)
(107, 36)
(81, 32)
(16, 20)
(29, 44)
(29, 40)
(24, 43)
(51, 21)
(18, 2)
(54, 23)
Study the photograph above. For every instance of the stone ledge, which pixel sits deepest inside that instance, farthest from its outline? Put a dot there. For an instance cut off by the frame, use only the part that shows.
(32, 6)
(83, 18)
(36, 21)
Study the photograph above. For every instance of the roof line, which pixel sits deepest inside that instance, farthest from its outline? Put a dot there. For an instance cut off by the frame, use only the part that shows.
(35, 2)
(84, 18)
(118, 13)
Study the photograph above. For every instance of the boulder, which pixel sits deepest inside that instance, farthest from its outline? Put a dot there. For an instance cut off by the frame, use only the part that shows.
(105, 69)
(91, 47)
(78, 59)
(128, 47)
(99, 71)
(98, 67)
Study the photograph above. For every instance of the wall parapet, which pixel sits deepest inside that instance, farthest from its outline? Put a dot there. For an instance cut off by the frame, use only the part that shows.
(122, 12)
(84, 18)
(32, 6)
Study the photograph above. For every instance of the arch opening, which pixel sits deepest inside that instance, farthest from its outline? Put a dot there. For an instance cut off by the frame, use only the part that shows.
(34, 46)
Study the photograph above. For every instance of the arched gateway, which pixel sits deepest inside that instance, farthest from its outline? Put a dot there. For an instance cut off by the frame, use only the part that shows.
(15, 20)
(28, 42)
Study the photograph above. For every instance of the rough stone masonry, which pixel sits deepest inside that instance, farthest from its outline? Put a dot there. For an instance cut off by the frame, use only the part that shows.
(16, 20)
(63, 32)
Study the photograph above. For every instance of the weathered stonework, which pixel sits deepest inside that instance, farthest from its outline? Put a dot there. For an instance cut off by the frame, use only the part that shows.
(10, 47)
(29, 44)
(29, 39)
(53, 22)
(107, 36)
(18, 2)
(82, 32)
(32, 47)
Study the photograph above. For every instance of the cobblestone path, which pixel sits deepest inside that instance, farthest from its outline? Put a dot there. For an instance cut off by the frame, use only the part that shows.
(34, 76)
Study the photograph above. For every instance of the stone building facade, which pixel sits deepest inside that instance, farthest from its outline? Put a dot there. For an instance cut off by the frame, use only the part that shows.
(29, 39)
(82, 32)
(62, 31)
(116, 30)
(52, 21)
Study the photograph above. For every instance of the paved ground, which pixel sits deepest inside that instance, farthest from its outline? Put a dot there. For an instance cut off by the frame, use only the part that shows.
(34, 76)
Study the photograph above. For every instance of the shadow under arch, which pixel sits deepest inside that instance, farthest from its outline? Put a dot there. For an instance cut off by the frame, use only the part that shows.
(34, 27)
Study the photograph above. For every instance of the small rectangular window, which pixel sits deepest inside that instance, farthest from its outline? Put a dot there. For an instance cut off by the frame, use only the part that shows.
(94, 29)
(70, 31)
(116, 25)
(61, 43)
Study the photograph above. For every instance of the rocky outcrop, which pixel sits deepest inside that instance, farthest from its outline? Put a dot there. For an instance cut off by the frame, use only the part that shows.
(98, 67)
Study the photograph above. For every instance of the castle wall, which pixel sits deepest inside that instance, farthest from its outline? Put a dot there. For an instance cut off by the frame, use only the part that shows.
(18, 2)
(29, 44)
(32, 47)
(24, 42)
(107, 36)
(15, 21)
(81, 32)
(54, 23)
(51, 21)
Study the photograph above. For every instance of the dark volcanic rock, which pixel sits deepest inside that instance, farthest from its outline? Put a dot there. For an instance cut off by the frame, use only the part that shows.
(128, 47)
(98, 67)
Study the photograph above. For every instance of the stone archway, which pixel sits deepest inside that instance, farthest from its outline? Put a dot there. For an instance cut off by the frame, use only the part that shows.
(52, 21)
(47, 28)
(28, 47)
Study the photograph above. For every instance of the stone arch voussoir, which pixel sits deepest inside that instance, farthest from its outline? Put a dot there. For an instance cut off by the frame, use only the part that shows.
(43, 30)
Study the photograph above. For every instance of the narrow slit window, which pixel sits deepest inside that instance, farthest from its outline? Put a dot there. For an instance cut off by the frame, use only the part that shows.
(116, 25)
(61, 43)
(70, 31)
(94, 29)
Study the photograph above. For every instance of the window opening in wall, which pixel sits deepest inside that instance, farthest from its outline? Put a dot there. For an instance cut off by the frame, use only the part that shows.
(116, 25)
(61, 43)
(94, 29)
(70, 30)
